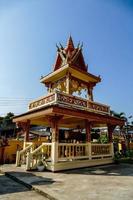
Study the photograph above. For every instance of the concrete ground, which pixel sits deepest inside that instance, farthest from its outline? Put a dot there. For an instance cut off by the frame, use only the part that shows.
(11, 190)
(113, 182)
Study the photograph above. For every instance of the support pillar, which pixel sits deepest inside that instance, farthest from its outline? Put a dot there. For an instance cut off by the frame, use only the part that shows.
(25, 127)
(54, 121)
(88, 138)
(90, 92)
(88, 131)
(68, 90)
(110, 133)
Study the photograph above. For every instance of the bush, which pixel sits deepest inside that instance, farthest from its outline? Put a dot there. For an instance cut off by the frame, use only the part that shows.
(129, 153)
(103, 139)
(124, 157)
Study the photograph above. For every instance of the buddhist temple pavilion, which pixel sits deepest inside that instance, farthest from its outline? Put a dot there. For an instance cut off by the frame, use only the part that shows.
(69, 112)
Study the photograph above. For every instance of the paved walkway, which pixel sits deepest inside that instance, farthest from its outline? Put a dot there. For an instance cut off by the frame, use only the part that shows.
(114, 182)
(12, 190)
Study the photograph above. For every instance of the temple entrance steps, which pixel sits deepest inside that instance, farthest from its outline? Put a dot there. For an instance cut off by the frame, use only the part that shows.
(31, 156)
(22, 155)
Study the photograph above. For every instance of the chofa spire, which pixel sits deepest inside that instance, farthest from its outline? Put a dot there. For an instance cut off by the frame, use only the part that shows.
(70, 44)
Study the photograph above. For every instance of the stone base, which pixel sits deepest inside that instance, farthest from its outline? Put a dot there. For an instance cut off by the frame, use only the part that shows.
(77, 164)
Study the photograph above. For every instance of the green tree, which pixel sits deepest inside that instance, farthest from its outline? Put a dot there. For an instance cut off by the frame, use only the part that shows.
(7, 121)
(1, 120)
(7, 127)
(120, 115)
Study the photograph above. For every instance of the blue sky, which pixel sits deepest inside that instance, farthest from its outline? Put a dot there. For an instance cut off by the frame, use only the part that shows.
(30, 29)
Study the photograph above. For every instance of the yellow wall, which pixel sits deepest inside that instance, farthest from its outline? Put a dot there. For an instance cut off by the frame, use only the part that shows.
(14, 146)
(10, 151)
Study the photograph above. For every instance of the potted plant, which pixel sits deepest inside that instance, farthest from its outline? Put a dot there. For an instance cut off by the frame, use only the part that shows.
(40, 166)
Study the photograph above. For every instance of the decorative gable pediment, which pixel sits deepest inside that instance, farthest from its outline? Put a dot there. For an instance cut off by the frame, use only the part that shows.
(70, 55)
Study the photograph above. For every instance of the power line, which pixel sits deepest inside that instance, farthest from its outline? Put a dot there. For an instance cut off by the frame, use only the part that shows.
(19, 99)
(16, 97)
(13, 102)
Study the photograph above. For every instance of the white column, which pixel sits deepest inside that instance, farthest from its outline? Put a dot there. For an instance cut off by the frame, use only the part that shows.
(28, 161)
(18, 159)
(54, 152)
(112, 149)
(89, 147)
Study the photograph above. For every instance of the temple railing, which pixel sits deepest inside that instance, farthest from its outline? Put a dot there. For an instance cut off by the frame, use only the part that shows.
(26, 144)
(42, 153)
(21, 156)
(34, 143)
(73, 151)
(30, 157)
(69, 100)
(98, 150)
(43, 101)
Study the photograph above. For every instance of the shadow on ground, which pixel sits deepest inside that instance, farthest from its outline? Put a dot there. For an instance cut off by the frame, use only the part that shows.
(107, 170)
(9, 186)
(15, 182)
(30, 178)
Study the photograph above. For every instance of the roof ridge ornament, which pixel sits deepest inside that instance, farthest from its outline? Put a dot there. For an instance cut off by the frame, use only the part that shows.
(81, 46)
(78, 46)
(58, 49)
(61, 46)
(70, 44)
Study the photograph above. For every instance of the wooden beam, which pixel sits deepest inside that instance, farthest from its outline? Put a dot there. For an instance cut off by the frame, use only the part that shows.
(33, 114)
(92, 117)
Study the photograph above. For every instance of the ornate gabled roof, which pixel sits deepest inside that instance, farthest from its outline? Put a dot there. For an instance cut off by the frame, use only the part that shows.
(70, 55)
